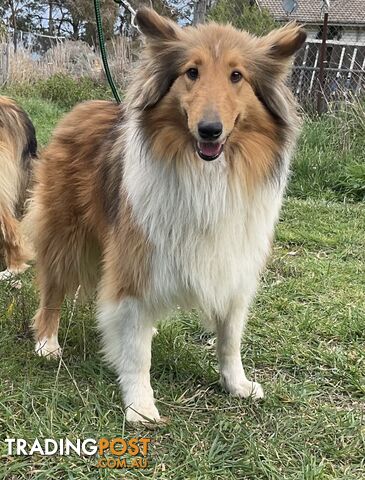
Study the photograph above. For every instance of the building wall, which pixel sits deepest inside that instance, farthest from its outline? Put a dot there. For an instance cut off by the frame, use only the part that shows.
(348, 34)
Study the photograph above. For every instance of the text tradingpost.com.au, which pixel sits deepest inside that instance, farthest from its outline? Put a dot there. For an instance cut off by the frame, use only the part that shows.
(115, 452)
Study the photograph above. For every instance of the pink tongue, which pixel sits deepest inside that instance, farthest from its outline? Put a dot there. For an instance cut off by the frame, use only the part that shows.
(209, 149)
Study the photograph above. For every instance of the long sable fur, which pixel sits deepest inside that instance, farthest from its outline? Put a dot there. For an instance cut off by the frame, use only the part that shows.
(18, 150)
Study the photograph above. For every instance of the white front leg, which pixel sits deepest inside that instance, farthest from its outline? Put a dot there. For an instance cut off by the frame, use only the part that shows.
(232, 374)
(127, 332)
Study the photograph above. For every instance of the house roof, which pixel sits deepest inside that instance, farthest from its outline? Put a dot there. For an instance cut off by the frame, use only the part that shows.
(341, 12)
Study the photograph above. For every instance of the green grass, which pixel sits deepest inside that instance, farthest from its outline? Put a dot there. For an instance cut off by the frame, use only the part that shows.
(304, 342)
(44, 115)
(330, 159)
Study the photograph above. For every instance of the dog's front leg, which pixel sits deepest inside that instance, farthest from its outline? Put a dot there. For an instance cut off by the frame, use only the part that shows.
(127, 332)
(232, 374)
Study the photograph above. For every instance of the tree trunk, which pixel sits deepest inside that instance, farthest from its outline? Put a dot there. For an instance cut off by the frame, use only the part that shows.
(200, 11)
(50, 19)
(14, 25)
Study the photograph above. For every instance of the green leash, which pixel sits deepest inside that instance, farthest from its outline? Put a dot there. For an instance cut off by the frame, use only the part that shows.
(104, 57)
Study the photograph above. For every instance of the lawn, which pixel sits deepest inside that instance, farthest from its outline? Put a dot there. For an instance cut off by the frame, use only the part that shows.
(304, 342)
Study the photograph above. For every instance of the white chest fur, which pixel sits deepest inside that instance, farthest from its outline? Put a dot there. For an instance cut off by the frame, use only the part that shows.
(210, 239)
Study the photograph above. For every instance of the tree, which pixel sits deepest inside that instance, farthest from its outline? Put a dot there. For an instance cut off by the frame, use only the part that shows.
(18, 15)
(243, 14)
(75, 19)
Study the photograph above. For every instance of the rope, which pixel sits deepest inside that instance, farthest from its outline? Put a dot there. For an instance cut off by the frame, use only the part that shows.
(104, 57)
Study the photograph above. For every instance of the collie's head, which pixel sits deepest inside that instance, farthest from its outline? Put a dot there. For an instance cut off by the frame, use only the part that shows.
(207, 90)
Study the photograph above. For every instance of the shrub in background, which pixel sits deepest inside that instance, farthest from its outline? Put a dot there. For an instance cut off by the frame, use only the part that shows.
(66, 91)
(62, 90)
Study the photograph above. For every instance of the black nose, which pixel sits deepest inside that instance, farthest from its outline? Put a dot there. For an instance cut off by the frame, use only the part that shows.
(210, 130)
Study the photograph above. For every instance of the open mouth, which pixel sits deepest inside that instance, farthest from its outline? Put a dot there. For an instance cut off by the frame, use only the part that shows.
(209, 151)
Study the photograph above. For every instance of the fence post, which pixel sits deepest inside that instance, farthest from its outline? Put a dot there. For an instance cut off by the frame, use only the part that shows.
(322, 60)
(4, 62)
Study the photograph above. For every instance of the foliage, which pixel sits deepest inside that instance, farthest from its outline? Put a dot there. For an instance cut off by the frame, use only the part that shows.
(19, 14)
(66, 92)
(78, 17)
(62, 90)
(74, 19)
(352, 181)
(71, 18)
(244, 16)
(330, 160)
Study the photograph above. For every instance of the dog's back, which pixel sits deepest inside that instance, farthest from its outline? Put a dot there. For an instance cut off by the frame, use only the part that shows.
(73, 183)
(18, 149)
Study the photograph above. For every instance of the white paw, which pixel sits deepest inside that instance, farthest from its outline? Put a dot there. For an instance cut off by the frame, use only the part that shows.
(48, 347)
(144, 414)
(243, 388)
(10, 273)
(6, 275)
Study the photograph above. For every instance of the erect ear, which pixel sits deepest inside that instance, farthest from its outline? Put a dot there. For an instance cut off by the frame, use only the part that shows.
(271, 63)
(161, 61)
(280, 45)
(155, 27)
(284, 42)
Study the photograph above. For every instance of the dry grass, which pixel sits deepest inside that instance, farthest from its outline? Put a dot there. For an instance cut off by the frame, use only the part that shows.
(73, 58)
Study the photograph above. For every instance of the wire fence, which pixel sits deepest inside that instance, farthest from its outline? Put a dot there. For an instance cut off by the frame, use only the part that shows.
(344, 71)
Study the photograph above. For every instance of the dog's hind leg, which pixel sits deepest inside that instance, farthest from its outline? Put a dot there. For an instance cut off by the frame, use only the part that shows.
(46, 320)
(229, 331)
(16, 254)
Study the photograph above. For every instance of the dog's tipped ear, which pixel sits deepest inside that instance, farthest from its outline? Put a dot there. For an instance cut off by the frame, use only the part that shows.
(282, 43)
(274, 51)
(155, 27)
(272, 59)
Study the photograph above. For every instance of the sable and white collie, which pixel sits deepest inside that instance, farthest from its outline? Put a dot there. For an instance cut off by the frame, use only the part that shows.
(18, 149)
(170, 199)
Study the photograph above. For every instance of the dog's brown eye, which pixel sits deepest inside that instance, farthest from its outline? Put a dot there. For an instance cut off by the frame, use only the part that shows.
(192, 73)
(236, 77)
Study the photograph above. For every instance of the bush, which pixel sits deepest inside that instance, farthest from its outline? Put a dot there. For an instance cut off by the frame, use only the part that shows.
(62, 90)
(243, 16)
(66, 92)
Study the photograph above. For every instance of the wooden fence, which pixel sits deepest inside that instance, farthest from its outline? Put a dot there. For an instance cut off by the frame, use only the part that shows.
(344, 71)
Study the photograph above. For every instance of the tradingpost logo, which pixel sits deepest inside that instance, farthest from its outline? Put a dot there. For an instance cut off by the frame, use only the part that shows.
(114, 452)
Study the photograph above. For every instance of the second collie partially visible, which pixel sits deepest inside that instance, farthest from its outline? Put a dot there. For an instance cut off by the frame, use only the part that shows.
(18, 149)
(171, 198)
